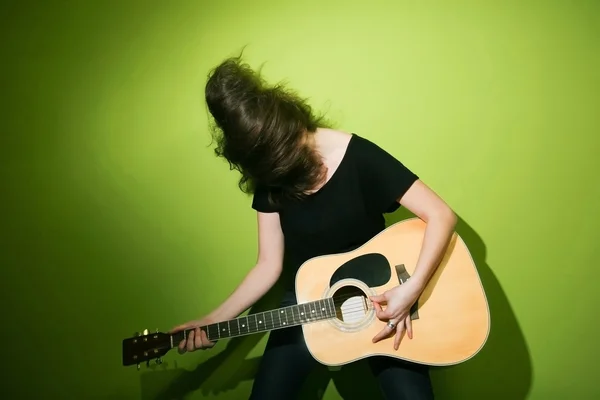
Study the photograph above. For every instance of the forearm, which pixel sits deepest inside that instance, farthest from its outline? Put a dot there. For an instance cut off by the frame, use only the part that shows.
(255, 285)
(438, 232)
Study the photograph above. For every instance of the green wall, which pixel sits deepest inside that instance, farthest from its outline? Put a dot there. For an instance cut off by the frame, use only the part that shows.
(117, 217)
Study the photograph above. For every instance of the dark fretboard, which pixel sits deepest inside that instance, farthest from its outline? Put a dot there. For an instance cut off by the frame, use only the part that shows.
(266, 321)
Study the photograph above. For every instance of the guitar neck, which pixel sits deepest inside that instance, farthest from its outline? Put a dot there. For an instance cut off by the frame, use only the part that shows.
(265, 321)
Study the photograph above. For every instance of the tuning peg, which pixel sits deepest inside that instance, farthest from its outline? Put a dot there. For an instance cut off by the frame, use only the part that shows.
(159, 361)
(145, 331)
(137, 334)
(138, 366)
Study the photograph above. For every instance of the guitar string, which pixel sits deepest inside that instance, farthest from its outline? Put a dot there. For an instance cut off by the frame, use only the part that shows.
(350, 311)
(253, 320)
(269, 326)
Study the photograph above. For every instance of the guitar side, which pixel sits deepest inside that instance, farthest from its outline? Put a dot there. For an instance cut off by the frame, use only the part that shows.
(451, 320)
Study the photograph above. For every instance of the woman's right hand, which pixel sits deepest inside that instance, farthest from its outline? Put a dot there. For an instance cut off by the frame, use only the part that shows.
(196, 339)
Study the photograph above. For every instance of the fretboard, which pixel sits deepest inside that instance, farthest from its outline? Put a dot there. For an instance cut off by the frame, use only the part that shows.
(266, 321)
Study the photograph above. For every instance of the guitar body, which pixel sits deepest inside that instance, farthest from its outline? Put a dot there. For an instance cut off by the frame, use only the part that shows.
(450, 320)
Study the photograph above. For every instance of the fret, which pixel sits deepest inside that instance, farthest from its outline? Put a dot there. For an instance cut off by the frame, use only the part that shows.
(253, 323)
(331, 306)
(223, 332)
(295, 315)
(289, 317)
(243, 321)
(319, 308)
(233, 330)
(272, 320)
(256, 321)
(212, 331)
(311, 308)
(306, 312)
(229, 333)
(269, 320)
(248, 323)
(301, 314)
(261, 322)
(281, 317)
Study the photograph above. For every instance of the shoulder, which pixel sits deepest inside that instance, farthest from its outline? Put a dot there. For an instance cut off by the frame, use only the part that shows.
(384, 176)
(373, 161)
(367, 151)
(261, 201)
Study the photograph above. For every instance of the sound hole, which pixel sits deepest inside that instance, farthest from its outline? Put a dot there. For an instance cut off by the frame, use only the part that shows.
(350, 304)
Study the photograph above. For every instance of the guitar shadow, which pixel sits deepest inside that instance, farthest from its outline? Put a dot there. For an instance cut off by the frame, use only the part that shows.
(503, 368)
(220, 373)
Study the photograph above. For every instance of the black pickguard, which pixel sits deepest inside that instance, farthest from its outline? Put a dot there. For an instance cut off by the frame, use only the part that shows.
(373, 270)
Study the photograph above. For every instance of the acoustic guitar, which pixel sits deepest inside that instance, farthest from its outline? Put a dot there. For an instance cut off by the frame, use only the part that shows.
(451, 319)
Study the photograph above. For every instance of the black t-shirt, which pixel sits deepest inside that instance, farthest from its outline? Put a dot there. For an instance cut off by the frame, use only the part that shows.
(346, 211)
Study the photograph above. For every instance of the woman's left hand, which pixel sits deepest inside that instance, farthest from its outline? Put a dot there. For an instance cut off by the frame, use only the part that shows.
(399, 301)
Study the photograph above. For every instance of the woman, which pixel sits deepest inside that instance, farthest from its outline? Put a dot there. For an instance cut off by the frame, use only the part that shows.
(316, 191)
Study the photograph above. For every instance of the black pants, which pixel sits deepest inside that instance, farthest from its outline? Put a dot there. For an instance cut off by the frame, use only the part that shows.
(286, 364)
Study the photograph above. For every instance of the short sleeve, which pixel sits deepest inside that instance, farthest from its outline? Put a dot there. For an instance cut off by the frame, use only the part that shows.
(260, 201)
(383, 177)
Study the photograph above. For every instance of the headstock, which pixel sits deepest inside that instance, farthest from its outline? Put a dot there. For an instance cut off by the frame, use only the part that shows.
(145, 346)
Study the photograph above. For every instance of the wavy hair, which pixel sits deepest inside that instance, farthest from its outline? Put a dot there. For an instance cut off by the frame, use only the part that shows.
(262, 131)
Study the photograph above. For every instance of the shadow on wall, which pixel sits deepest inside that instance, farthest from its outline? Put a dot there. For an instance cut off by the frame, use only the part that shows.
(502, 369)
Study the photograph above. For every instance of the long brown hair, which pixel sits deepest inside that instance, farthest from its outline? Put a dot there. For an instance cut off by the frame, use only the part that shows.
(261, 130)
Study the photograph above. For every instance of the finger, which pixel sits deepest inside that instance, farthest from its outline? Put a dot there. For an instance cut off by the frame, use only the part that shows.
(384, 314)
(205, 341)
(197, 338)
(378, 310)
(190, 341)
(383, 333)
(381, 314)
(378, 298)
(181, 348)
(399, 333)
(409, 330)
